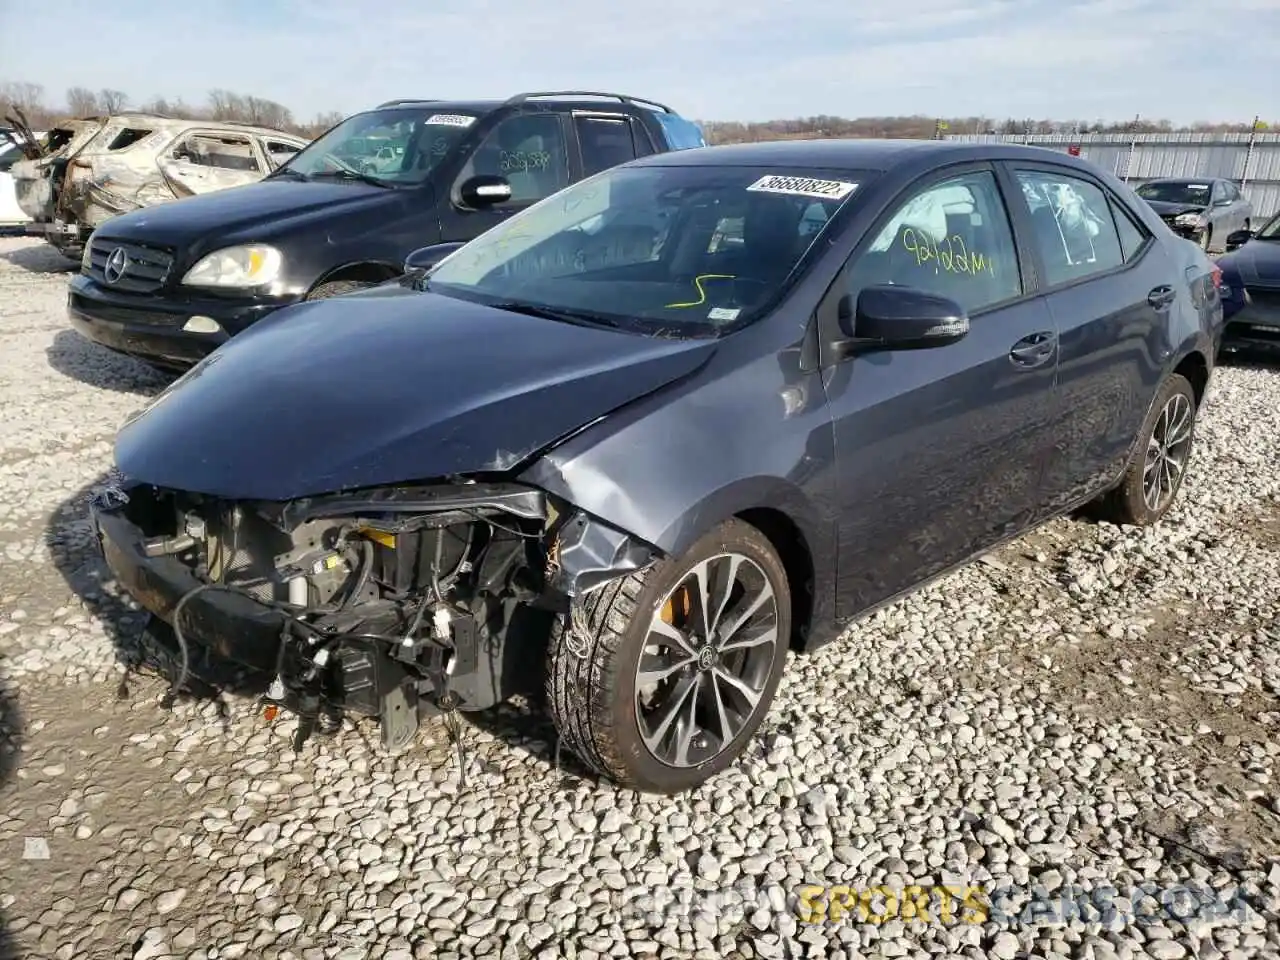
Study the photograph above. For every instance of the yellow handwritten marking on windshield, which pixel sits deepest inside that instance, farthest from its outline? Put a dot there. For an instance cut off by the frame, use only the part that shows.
(951, 256)
(702, 294)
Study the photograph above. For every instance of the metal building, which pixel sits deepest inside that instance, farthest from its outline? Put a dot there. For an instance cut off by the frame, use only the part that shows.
(1251, 160)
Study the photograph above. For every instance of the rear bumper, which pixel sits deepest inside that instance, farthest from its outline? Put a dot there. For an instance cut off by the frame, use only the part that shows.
(1253, 324)
(227, 624)
(152, 328)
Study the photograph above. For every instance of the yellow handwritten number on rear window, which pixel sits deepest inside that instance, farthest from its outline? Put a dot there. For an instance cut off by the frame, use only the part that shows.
(702, 294)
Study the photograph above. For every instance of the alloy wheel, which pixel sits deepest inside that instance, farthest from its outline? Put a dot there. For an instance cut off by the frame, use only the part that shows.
(706, 660)
(1167, 452)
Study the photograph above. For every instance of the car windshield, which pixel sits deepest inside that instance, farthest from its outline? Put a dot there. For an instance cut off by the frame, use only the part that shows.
(1179, 192)
(400, 145)
(681, 251)
(1269, 230)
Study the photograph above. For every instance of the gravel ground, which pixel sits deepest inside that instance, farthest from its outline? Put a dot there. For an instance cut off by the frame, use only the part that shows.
(1085, 727)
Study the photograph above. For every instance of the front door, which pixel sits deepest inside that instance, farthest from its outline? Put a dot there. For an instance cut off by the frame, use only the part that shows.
(531, 151)
(1109, 288)
(940, 450)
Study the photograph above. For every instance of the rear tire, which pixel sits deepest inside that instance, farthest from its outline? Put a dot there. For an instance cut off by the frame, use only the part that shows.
(1162, 454)
(701, 701)
(336, 288)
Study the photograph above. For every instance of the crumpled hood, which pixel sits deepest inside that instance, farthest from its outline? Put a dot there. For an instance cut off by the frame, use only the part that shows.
(1166, 209)
(1258, 261)
(267, 204)
(386, 386)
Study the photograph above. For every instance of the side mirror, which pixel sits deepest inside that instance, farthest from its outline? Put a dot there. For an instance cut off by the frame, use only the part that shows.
(1238, 239)
(888, 317)
(1222, 202)
(423, 259)
(484, 190)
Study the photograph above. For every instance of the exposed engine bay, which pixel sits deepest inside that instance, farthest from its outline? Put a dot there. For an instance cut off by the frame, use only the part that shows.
(393, 604)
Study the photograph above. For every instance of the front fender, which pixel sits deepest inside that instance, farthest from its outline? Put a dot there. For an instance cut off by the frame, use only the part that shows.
(736, 437)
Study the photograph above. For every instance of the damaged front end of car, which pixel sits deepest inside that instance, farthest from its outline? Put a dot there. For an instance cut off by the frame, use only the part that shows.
(394, 603)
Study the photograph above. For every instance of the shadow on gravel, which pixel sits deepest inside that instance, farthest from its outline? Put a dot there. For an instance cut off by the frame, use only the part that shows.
(73, 356)
(11, 730)
(40, 258)
(146, 646)
(1251, 358)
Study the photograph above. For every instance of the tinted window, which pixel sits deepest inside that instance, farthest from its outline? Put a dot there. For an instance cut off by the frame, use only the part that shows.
(1071, 226)
(950, 238)
(528, 150)
(1132, 237)
(605, 143)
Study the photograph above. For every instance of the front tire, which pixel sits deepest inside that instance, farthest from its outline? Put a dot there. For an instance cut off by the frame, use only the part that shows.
(336, 288)
(1159, 460)
(643, 692)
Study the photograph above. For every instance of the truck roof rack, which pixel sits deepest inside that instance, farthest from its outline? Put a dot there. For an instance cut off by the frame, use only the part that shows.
(640, 101)
(396, 103)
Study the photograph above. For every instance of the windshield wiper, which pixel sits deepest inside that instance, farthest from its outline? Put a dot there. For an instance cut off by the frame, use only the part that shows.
(345, 174)
(283, 172)
(580, 317)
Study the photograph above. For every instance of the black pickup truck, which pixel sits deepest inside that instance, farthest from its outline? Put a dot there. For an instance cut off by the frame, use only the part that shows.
(170, 283)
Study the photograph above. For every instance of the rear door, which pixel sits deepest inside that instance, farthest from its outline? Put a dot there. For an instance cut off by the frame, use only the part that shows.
(1110, 288)
(940, 451)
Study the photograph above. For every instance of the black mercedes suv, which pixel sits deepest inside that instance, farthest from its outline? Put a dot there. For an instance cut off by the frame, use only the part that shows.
(172, 282)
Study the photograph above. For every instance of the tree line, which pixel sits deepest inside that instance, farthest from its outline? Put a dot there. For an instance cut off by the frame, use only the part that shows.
(33, 102)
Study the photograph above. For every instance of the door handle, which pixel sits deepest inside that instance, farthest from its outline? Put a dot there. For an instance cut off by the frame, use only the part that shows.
(1161, 296)
(1033, 350)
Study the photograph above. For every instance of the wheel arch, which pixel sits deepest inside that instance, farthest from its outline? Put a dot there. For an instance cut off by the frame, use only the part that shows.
(789, 542)
(1194, 365)
(366, 271)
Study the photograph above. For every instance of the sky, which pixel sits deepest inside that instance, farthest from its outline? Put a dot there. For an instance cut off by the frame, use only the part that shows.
(708, 59)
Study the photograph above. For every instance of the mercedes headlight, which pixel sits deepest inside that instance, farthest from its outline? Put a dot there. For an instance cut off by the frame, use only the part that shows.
(251, 265)
(1190, 220)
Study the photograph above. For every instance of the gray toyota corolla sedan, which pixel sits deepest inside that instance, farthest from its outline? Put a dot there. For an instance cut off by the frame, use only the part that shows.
(634, 444)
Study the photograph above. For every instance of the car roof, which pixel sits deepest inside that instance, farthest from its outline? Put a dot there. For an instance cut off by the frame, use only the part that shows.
(1185, 180)
(610, 102)
(854, 154)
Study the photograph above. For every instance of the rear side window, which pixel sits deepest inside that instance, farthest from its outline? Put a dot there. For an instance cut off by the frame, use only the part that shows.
(1132, 237)
(681, 134)
(223, 152)
(1072, 227)
(127, 138)
(605, 142)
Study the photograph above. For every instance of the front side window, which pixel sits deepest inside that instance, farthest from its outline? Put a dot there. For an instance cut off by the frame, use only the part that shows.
(529, 150)
(398, 145)
(684, 251)
(952, 239)
(1071, 226)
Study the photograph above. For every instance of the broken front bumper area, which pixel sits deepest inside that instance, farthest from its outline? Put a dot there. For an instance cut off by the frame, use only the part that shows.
(390, 604)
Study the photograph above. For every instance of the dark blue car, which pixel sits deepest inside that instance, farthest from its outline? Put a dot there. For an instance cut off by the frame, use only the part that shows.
(632, 445)
(1251, 288)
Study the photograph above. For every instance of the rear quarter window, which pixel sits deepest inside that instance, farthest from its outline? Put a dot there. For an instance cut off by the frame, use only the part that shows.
(681, 134)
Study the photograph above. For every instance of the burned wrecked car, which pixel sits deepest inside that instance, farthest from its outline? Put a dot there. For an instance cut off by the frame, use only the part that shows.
(637, 442)
(94, 168)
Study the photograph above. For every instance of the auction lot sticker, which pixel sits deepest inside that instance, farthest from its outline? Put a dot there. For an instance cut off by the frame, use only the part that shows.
(803, 187)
